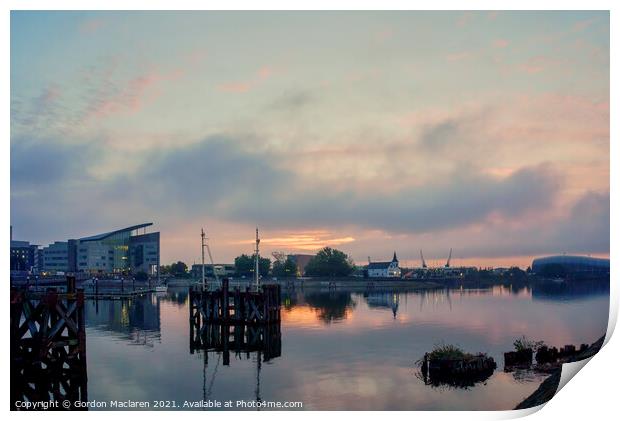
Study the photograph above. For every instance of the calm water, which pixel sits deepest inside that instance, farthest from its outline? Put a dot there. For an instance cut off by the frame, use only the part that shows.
(350, 350)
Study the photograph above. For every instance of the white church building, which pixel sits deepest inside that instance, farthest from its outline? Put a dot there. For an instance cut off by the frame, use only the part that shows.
(384, 269)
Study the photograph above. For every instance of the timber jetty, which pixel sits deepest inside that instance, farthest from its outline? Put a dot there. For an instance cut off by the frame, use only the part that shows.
(48, 347)
(235, 307)
(238, 320)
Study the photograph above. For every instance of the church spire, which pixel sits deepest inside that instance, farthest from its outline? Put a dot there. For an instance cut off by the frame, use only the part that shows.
(395, 259)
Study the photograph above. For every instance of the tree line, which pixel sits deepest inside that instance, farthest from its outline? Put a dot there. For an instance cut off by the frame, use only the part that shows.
(326, 262)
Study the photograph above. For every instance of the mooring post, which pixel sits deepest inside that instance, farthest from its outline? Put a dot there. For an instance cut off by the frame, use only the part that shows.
(225, 338)
(225, 308)
(70, 284)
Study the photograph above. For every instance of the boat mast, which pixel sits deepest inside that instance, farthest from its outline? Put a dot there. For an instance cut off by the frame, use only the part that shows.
(256, 274)
(202, 235)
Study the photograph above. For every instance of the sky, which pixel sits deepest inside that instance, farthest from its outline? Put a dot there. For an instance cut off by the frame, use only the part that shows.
(370, 132)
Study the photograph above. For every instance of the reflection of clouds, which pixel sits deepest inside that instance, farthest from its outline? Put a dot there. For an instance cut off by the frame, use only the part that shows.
(365, 361)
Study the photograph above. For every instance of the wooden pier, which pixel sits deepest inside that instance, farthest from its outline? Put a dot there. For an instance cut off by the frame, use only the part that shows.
(240, 321)
(235, 307)
(48, 347)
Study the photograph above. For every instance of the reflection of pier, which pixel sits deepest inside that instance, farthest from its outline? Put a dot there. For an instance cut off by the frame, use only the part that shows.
(239, 321)
(244, 322)
(238, 338)
(48, 348)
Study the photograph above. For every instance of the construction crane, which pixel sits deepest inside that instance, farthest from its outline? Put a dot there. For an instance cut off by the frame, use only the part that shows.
(449, 257)
(280, 256)
(423, 261)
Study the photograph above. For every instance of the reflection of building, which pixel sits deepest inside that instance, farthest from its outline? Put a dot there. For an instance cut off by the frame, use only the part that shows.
(120, 251)
(567, 265)
(301, 261)
(136, 320)
(384, 269)
(221, 269)
(383, 300)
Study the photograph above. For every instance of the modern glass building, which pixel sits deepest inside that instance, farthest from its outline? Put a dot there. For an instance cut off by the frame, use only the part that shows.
(121, 251)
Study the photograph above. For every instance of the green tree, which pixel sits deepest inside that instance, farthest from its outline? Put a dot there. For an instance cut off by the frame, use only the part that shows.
(329, 262)
(178, 269)
(284, 269)
(244, 265)
(515, 274)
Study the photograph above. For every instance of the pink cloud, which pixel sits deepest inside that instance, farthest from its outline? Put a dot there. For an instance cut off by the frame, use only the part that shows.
(197, 56)
(463, 55)
(235, 87)
(583, 24)
(91, 26)
(239, 87)
(464, 19)
(492, 15)
(265, 72)
(538, 64)
(132, 96)
(383, 35)
(500, 43)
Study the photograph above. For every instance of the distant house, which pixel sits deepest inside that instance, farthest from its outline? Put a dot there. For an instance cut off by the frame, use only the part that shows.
(384, 269)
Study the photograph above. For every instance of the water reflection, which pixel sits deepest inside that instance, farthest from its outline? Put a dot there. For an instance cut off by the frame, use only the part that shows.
(563, 291)
(444, 381)
(383, 300)
(136, 320)
(177, 296)
(264, 339)
(340, 349)
(330, 305)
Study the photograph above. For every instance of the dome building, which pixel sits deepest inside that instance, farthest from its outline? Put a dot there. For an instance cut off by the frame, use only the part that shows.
(570, 265)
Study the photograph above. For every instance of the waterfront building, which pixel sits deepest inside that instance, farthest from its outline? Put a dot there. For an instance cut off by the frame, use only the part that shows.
(120, 251)
(384, 269)
(570, 265)
(221, 269)
(24, 256)
(55, 257)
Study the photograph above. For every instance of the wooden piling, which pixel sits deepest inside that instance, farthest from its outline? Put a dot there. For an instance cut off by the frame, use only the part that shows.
(245, 307)
(48, 346)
